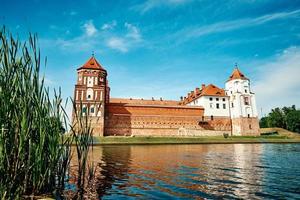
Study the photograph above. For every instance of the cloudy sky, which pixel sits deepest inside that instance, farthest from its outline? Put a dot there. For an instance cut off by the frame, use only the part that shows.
(165, 48)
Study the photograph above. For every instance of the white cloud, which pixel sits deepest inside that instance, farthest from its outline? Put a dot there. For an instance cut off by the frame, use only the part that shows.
(127, 41)
(133, 32)
(118, 44)
(109, 26)
(224, 26)
(278, 81)
(150, 4)
(89, 28)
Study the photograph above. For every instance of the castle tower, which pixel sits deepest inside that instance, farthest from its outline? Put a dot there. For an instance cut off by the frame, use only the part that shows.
(242, 102)
(92, 92)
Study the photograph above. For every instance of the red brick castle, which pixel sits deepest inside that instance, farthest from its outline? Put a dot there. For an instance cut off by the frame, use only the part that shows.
(205, 111)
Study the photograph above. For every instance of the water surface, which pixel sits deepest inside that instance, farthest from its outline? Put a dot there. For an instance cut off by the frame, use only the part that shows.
(248, 171)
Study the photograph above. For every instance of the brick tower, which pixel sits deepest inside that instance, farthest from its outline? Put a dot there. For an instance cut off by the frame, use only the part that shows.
(243, 111)
(92, 92)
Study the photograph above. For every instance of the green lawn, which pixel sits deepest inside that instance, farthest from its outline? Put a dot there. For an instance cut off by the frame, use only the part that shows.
(194, 140)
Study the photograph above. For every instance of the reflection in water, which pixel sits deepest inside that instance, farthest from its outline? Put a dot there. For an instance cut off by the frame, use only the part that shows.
(248, 171)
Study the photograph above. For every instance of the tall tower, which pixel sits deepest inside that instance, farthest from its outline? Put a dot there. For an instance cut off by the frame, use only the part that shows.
(92, 93)
(243, 109)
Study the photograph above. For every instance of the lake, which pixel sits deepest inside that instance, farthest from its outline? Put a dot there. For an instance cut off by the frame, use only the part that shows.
(248, 171)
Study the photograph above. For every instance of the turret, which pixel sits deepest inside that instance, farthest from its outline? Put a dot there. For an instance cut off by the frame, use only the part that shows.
(92, 92)
(243, 110)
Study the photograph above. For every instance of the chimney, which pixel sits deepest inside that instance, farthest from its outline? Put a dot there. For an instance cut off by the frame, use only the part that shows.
(184, 98)
(152, 98)
(161, 98)
(197, 91)
(181, 98)
(202, 86)
(192, 93)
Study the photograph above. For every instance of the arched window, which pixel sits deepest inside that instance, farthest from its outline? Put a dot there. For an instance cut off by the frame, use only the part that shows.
(89, 94)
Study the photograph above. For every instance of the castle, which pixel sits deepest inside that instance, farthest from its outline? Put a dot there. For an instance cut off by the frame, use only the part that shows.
(205, 111)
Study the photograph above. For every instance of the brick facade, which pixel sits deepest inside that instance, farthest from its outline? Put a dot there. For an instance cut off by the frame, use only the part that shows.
(125, 119)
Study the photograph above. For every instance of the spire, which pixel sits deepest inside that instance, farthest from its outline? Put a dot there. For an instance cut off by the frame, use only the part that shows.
(237, 74)
(92, 63)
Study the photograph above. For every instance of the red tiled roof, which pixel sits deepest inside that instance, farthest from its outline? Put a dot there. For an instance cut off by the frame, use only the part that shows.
(212, 90)
(209, 90)
(92, 63)
(237, 74)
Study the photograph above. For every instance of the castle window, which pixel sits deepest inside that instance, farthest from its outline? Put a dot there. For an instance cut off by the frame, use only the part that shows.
(246, 91)
(224, 106)
(248, 115)
(92, 109)
(84, 110)
(217, 106)
(246, 100)
(210, 98)
(231, 92)
(89, 96)
(211, 105)
(231, 105)
(250, 127)
(211, 117)
(217, 99)
(224, 99)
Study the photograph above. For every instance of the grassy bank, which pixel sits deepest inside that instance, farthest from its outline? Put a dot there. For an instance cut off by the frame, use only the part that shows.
(194, 140)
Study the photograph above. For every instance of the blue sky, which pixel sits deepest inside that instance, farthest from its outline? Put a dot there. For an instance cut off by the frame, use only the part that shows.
(165, 48)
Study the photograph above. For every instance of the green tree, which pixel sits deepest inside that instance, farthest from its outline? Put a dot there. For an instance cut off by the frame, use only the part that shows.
(293, 121)
(263, 122)
(276, 118)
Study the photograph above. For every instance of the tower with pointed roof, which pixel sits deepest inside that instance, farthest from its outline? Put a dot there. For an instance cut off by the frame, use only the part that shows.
(92, 94)
(242, 103)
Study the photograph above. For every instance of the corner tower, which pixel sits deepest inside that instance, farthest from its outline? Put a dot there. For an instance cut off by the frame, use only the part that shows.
(242, 102)
(92, 93)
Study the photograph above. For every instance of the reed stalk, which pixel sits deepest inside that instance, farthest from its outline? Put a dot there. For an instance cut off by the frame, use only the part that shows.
(34, 154)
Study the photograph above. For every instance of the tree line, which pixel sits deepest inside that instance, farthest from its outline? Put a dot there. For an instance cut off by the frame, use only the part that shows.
(286, 117)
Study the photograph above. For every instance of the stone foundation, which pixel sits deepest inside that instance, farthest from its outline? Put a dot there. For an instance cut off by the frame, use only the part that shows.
(245, 126)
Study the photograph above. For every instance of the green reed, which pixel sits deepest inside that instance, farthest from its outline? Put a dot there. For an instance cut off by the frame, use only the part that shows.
(34, 154)
(82, 133)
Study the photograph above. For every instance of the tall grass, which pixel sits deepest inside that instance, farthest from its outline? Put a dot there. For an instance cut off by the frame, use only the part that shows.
(34, 152)
(34, 155)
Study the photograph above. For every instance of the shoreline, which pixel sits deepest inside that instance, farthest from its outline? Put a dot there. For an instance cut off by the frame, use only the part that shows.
(115, 140)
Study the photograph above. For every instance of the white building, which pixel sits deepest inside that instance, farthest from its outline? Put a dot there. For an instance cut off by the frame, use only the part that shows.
(236, 103)
(213, 99)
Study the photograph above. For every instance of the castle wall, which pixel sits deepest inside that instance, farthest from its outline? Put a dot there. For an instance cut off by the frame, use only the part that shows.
(162, 120)
(245, 126)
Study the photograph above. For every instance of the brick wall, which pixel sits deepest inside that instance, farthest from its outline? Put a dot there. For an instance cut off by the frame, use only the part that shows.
(245, 126)
(161, 120)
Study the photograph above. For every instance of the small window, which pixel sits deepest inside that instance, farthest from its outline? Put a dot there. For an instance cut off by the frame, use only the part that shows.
(217, 99)
(210, 98)
(84, 110)
(250, 127)
(217, 106)
(224, 99)
(231, 105)
(203, 118)
(89, 97)
(224, 106)
(92, 109)
(211, 117)
(211, 105)
(246, 91)
(246, 100)
(248, 115)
